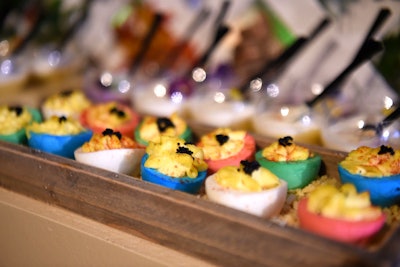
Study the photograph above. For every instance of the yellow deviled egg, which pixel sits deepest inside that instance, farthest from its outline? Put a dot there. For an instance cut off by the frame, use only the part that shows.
(111, 151)
(151, 128)
(250, 188)
(66, 103)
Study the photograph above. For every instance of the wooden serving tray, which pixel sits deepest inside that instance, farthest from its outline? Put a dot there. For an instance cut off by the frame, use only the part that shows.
(181, 221)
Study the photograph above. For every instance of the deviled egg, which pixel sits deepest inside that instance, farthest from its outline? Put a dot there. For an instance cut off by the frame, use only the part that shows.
(175, 164)
(151, 128)
(14, 120)
(295, 164)
(113, 115)
(340, 213)
(66, 103)
(111, 151)
(57, 135)
(376, 170)
(250, 188)
(226, 147)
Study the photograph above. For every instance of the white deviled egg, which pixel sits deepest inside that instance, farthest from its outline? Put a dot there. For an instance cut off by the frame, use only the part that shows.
(249, 188)
(112, 151)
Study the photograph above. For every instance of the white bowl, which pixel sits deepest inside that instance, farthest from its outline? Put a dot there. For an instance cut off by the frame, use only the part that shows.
(232, 114)
(277, 123)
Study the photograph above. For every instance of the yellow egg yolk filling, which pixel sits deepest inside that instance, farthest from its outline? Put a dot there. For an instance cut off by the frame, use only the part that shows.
(150, 129)
(110, 114)
(285, 150)
(68, 101)
(214, 149)
(106, 141)
(235, 178)
(13, 119)
(56, 126)
(342, 203)
(373, 162)
(173, 157)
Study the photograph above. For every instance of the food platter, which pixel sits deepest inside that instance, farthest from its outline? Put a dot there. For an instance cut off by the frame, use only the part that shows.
(187, 223)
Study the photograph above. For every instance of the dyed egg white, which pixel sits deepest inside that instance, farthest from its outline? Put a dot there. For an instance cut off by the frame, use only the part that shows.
(61, 145)
(266, 203)
(125, 160)
(384, 191)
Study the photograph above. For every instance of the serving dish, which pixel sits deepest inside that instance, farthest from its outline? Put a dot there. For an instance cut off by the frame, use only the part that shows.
(185, 222)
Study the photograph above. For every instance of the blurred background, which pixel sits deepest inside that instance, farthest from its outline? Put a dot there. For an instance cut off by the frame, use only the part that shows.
(107, 33)
(300, 45)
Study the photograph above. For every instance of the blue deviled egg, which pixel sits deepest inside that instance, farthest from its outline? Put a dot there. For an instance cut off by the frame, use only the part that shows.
(376, 170)
(57, 135)
(175, 164)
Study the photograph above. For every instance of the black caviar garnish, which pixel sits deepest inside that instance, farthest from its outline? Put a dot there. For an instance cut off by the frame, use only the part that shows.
(249, 166)
(385, 149)
(17, 109)
(110, 132)
(184, 150)
(286, 141)
(164, 123)
(62, 119)
(66, 93)
(117, 112)
(222, 138)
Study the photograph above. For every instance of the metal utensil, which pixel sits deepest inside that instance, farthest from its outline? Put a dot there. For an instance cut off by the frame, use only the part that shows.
(368, 48)
(386, 122)
(275, 66)
(144, 46)
(367, 51)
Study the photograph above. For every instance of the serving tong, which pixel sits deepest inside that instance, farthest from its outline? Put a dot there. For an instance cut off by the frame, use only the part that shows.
(175, 53)
(183, 84)
(8, 65)
(274, 67)
(386, 122)
(70, 32)
(55, 54)
(367, 50)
